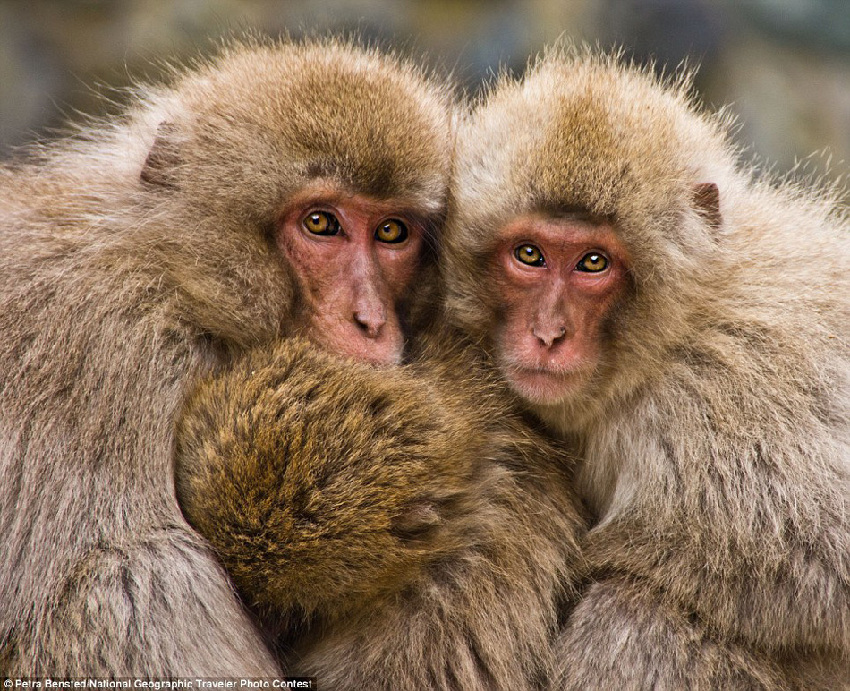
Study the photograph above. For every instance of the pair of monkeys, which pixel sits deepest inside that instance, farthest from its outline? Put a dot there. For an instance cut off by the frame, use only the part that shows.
(628, 320)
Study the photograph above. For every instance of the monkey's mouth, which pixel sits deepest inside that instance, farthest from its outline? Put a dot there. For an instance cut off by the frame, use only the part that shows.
(531, 367)
(544, 370)
(542, 384)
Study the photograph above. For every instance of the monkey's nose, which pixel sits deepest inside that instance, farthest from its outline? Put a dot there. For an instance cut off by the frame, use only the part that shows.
(370, 321)
(549, 334)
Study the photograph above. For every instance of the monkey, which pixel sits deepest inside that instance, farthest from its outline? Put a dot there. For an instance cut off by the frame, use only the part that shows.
(679, 320)
(277, 188)
(392, 528)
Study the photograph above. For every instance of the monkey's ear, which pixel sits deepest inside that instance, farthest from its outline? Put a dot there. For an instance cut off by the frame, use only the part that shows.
(162, 159)
(706, 199)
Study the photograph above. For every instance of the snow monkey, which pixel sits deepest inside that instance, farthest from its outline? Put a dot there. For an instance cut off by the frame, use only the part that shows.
(277, 189)
(680, 322)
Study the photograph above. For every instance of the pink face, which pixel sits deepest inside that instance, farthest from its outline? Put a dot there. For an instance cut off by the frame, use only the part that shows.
(354, 258)
(556, 279)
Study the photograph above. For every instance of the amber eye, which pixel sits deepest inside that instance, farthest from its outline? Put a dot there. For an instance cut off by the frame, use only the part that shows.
(530, 255)
(321, 223)
(592, 262)
(391, 231)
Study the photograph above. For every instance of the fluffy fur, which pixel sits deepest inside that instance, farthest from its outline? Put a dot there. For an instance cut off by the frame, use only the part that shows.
(396, 529)
(135, 257)
(714, 433)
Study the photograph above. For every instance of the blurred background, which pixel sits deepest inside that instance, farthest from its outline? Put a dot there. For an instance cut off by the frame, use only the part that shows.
(783, 66)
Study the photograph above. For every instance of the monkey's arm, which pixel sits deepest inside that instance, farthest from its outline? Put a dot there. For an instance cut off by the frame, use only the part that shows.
(100, 576)
(747, 531)
(320, 482)
(763, 513)
(155, 606)
(624, 635)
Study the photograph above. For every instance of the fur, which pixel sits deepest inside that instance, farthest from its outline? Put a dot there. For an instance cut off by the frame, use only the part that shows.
(395, 528)
(135, 258)
(714, 434)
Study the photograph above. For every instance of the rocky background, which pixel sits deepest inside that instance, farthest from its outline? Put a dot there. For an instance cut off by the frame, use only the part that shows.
(783, 66)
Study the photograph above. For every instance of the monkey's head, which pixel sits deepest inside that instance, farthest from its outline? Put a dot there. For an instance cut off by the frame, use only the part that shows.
(583, 223)
(296, 187)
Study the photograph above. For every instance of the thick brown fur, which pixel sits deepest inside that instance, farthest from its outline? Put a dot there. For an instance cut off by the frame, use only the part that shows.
(400, 528)
(714, 433)
(135, 257)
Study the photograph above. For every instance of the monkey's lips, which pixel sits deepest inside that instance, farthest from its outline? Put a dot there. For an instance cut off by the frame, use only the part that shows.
(542, 384)
(384, 350)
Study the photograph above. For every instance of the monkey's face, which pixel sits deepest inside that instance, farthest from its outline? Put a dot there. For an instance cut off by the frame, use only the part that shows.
(354, 258)
(309, 174)
(556, 279)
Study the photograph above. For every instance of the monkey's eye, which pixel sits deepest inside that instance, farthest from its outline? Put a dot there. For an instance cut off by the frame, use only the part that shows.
(530, 255)
(321, 223)
(592, 262)
(391, 231)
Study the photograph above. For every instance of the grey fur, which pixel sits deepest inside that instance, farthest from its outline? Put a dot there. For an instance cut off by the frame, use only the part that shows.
(714, 433)
(134, 258)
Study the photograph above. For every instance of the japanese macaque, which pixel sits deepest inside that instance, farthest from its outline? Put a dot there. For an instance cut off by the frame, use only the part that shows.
(394, 528)
(681, 323)
(277, 189)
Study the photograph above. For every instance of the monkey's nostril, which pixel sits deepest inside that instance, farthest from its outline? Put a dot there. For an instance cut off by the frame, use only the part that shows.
(369, 324)
(548, 336)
